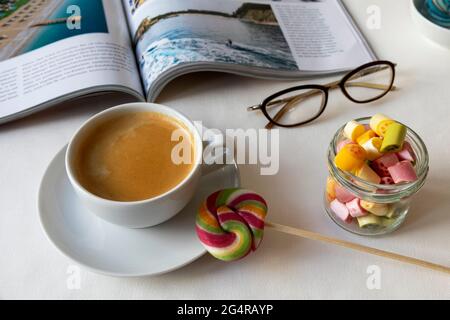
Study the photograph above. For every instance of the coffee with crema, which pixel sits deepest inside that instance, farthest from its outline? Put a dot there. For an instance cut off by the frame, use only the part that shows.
(129, 157)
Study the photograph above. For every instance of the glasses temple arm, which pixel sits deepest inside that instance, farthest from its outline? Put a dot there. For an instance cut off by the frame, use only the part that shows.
(371, 85)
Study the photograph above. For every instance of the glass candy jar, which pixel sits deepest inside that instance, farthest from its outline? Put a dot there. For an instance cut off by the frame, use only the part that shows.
(385, 206)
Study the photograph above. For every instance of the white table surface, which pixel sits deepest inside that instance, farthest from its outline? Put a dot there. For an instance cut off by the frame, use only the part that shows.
(284, 267)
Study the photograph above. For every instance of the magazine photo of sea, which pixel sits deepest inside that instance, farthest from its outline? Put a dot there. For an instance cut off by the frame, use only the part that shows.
(247, 34)
(26, 25)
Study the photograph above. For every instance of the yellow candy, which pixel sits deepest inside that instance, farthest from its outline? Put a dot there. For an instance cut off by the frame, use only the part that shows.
(350, 157)
(372, 147)
(366, 173)
(331, 191)
(329, 198)
(353, 130)
(376, 120)
(394, 138)
(383, 126)
(365, 137)
(378, 209)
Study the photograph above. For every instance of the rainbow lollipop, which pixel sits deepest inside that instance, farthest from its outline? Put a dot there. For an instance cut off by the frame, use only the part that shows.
(230, 224)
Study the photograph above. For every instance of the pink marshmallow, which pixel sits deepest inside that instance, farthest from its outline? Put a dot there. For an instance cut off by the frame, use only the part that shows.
(388, 159)
(355, 209)
(387, 180)
(340, 210)
(403, 172)
(342, 194)
(407, 153)
(341, 144)
(381, 165)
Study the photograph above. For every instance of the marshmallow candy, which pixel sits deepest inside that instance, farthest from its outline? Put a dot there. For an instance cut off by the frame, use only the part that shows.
(366, 173)
(355, 209)
(365, 137)
(378, 209)
(340, 210)
(402, 172)
(394, 138)
(381, 165)
(379, 123)
(342, 143)
(331, 192)
(350, 157)
(372, 147)
(342, 194)
(353, 130)
(407, 152)
(383, 126)
(369, 220)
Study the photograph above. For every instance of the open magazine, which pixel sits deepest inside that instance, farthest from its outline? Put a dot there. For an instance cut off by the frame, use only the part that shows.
(55, 50)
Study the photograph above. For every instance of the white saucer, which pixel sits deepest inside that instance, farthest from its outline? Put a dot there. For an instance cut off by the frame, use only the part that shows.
(113, 250)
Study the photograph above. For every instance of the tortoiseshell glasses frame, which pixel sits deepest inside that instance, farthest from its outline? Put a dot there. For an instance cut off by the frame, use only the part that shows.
(346, 85)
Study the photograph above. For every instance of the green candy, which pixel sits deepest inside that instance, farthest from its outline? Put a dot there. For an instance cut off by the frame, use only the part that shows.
(386, 222)
(391, 212)
(369, 220)
(394, 138)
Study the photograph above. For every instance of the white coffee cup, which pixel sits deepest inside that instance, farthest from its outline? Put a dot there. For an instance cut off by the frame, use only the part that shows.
(149, 212)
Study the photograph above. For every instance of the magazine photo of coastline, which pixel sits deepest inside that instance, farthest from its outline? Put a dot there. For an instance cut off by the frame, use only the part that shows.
(244, 34)
(26, 25)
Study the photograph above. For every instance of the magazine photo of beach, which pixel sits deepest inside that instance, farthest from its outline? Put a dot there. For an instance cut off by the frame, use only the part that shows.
(26, 25)
(244, 34)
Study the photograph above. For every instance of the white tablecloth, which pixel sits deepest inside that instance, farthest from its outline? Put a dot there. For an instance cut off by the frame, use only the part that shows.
(283, 267)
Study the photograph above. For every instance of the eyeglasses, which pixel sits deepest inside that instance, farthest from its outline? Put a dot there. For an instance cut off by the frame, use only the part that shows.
(299, 105)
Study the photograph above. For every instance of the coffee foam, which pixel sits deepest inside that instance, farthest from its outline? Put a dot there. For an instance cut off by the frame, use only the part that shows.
(126, 156)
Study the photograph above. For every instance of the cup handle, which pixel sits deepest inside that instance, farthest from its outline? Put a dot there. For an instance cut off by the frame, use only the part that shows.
(215, 154)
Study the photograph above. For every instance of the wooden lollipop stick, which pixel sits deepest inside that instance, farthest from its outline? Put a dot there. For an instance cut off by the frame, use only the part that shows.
(350, 245)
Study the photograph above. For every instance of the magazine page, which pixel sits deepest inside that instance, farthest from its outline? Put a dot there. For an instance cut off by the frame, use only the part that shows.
(52, 50)
(282, 37)
(321, 35)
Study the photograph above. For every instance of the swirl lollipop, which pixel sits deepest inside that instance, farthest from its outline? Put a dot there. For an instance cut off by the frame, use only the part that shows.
(230, 224)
